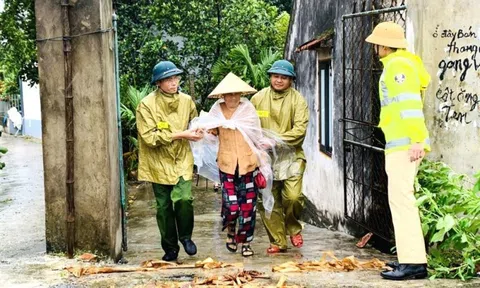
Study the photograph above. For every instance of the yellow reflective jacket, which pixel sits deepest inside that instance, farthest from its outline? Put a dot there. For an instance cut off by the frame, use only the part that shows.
(285, 113)
(161, 159)
(401, 118)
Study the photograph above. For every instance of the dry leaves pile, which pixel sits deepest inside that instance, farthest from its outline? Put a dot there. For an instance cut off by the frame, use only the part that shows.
(150, 265)
(231, 280)
(241, 279)
(332, 265)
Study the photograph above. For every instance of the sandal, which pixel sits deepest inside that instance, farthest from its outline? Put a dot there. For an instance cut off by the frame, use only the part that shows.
(231, 244)
(273, 249)
(297, 240)
(247, 250)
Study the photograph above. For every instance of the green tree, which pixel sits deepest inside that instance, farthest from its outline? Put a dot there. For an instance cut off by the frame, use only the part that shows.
(283, 5)
(240, 63)
(141, 45)
(281, 25)
(207, 30)
(18, 52)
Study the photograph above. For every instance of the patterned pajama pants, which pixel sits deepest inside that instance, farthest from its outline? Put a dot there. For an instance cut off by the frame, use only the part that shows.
(239, 201)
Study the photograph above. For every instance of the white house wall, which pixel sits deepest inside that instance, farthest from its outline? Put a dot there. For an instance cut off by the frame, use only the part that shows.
(32, 117)
(323, 183)
(323, 178)
(447, 37)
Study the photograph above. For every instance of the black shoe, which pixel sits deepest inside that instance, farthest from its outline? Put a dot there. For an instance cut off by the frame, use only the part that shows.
(170, 256)
(392, 264)
(189, 247)
(406, 271)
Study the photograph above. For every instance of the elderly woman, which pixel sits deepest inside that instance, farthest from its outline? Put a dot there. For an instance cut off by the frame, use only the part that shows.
(237, 164)
(240, 158)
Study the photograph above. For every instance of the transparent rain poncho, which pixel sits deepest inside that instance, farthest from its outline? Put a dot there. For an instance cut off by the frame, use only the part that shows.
(245, 120)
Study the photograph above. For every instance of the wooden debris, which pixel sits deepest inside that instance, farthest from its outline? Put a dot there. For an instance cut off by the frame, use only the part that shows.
(334, 265)
(150, 265)
(81, 271)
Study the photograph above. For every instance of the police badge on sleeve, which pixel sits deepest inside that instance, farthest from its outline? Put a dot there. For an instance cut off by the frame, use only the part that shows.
(400, 78)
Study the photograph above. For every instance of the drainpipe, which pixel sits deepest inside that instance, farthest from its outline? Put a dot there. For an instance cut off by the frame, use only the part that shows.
(120, 144)
(69, 129)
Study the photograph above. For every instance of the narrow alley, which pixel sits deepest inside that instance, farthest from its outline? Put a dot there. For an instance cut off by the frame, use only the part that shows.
(24, 263)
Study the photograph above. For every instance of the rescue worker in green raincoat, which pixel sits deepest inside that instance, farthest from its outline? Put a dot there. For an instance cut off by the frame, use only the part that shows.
(165, 157)
(283, 110)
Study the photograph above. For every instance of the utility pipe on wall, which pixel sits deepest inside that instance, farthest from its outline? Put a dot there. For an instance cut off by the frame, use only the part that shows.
(69, 130)
(120, 144)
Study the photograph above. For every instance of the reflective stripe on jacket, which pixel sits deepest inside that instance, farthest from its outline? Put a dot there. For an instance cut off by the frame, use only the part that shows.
(401, 117)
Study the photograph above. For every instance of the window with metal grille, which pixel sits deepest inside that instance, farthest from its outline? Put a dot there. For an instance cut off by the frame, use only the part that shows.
(326, 106)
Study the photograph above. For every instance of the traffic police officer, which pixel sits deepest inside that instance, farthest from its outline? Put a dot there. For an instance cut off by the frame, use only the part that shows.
(402, 121)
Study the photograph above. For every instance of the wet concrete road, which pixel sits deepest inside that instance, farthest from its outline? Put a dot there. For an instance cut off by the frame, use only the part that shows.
(23, 262)
(22, 213)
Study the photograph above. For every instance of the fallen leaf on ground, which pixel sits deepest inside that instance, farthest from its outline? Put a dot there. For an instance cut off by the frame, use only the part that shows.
(334, 265)
(156, 264)
(88, 257)
(209, 263)
(281, 282)
(231, 280)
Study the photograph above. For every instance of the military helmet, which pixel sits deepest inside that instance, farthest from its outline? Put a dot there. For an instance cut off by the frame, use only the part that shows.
(388, 34)
(282, 67)
(164, 69)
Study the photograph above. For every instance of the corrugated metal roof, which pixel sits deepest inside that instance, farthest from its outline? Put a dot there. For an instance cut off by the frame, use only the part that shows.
(325, 40)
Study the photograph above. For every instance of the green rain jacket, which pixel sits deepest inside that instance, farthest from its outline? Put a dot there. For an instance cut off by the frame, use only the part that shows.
(285, 113)
(159, 116)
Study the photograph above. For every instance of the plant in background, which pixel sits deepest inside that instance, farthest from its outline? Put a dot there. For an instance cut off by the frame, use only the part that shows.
(3, 150)
(240, 63)
(450, 213)
(129, 103)
(206, 31)
(283, 5)
(283, 21)
(18, 48)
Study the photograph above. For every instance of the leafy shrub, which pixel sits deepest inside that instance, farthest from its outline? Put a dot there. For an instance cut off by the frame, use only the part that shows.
(450, 211)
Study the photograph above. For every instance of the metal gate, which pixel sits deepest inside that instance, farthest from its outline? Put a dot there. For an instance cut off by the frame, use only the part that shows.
(366, 199)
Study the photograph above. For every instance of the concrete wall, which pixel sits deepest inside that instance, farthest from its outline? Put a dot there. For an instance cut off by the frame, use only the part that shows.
(97, 203)
(446, 34)
(323, 179)
(32, 116)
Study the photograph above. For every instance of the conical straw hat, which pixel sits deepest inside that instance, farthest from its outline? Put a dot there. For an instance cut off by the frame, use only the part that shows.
(231, 84)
